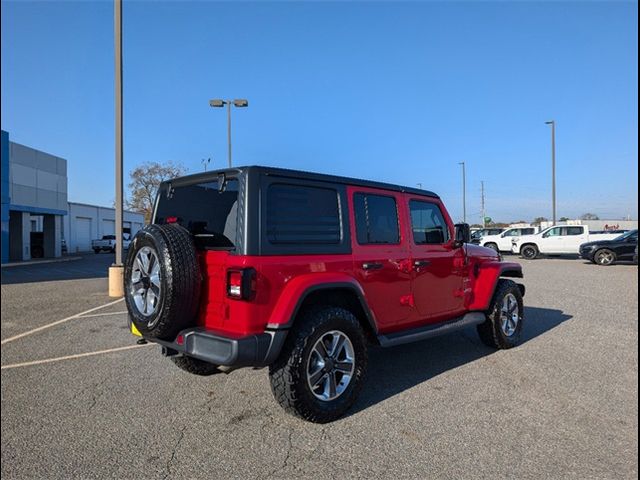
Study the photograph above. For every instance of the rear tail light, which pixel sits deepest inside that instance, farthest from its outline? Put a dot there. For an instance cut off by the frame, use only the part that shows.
(172, 220)
(241, 283)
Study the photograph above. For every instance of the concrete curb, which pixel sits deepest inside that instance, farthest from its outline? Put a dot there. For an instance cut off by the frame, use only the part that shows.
(39, 262)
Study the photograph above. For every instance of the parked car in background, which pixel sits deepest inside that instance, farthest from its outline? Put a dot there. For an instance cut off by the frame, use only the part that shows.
(502, 241)
(607, 252)
(558, 240)
(108, 244)
(475, 236)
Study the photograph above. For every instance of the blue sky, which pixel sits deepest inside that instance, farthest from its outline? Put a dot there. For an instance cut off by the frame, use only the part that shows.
(399, 92)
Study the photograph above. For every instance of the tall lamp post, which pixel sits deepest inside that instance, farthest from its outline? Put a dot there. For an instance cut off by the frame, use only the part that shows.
(464, 192)
(116, 280)
(218, 103)
(553, 167)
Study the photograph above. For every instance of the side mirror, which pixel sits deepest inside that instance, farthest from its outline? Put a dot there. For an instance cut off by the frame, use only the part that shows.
(463, 234)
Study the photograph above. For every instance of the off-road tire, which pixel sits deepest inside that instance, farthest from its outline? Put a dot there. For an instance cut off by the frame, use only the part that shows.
(194, 365)
(288, 373)
(179, 276)
(604, 257)
(530, 252)
(490, 331)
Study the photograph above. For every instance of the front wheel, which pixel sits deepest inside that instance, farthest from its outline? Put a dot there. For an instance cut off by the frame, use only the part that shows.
(492, 246)
(529, 252)
(505, 317)
(604, 257)
(321, 368)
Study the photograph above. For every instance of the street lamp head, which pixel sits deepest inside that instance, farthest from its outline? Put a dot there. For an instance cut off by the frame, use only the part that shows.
(550, 122)
(241, 102)
(217, 103)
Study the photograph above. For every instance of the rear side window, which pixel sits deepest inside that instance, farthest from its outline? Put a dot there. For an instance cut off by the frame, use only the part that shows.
(572, 231)
(376, 219)
(427, 223)
(527, 231)
(208, 213)
(300, 214)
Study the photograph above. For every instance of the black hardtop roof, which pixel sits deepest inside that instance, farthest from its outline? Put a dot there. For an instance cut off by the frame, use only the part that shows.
(212, 175)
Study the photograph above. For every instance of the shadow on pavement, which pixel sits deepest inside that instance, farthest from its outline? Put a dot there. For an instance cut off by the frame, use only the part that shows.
(394, 370)
(89, 266)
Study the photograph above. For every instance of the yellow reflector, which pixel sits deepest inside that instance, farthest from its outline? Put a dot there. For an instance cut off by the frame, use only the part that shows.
(135, 331)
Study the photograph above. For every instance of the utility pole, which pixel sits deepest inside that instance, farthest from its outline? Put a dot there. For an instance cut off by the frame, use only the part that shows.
(483, 213)
(553, 167)
(116, 280)
(464, 193)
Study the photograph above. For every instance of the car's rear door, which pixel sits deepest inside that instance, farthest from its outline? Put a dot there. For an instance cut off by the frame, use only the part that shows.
(572, 237)
(381, 253)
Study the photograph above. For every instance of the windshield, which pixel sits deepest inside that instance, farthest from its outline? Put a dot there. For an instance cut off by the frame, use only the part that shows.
(630, 233)
(209, 214)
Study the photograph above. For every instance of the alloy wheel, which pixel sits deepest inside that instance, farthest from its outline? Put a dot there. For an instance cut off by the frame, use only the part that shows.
(145, 282)
(331, 365)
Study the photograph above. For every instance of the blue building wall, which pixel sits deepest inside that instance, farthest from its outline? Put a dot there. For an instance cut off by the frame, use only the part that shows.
(6, 200)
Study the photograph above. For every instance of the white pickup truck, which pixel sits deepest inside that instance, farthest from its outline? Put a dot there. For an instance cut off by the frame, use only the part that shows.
(558, 240)
(502, 241)
(108, 244)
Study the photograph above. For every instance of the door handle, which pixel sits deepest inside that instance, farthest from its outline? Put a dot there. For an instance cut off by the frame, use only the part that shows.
(371, 266)
(421, 263)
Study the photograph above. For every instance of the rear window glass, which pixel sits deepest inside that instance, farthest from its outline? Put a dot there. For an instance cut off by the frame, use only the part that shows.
(298, 214)
(376, 219)
(209, 214)
(573, 231)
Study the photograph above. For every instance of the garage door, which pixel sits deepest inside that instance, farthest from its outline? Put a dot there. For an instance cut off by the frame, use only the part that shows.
(108, 227)
(83, 234)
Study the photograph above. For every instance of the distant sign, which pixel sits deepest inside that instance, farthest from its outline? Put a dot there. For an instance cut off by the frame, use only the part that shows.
(487, 219)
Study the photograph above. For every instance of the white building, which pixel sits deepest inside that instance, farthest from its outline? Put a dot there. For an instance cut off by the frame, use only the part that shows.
(36, 216)
(84, 223)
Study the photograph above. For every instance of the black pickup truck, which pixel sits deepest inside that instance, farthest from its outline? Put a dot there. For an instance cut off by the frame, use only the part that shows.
(607, 252)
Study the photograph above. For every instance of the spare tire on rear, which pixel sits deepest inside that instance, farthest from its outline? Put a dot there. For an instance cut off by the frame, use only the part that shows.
(162, 281)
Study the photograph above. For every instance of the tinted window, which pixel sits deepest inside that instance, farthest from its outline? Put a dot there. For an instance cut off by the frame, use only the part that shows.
(572, 231)
(427, 223)
(554, 232)
(298, 214)
(376, 219)
(527, 231)
(209, 214)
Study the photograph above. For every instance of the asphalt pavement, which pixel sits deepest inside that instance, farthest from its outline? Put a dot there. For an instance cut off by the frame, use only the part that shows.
(81, 400)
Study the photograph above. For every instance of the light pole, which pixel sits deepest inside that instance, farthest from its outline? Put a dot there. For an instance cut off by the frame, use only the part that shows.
(116, 280)
(419, 185)
(464, 193)
(205, 162)
(218, 103)
(553, 167)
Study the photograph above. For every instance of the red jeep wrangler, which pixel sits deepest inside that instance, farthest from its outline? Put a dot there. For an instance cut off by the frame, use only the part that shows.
(258, 266)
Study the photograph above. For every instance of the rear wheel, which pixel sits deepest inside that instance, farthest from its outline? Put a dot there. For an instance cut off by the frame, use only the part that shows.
(529, 252)
(505, 317)
(321, 368)
(604, 257)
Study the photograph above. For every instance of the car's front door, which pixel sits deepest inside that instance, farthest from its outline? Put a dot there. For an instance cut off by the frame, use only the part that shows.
(438, 267)
(381, 254)
(627, 248)
(551, 241)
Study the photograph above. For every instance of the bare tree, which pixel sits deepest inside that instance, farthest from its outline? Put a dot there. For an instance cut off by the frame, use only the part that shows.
(589, 216)
(539, 220)
(145, 180)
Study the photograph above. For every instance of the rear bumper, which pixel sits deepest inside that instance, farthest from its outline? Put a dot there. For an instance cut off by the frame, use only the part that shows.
(257, 350)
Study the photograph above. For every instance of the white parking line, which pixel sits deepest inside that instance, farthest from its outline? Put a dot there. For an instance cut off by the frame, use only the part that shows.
(103, 314)
(57, 322)
(71, 357)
